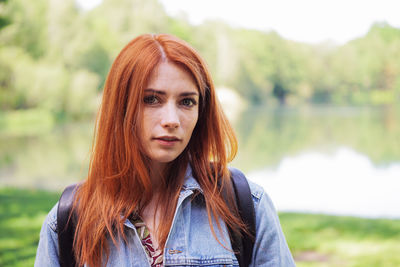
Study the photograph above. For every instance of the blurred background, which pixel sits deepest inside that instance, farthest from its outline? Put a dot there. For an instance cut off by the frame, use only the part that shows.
(311, 87)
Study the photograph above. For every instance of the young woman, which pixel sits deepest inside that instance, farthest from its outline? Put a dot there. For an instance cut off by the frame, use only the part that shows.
(153, 195)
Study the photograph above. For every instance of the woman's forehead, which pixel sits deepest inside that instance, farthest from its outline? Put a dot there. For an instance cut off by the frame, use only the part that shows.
(170, 75)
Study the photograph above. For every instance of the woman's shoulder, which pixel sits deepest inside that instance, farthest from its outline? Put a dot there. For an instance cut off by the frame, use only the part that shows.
(256, 190)
(51, 219)
(47, 251)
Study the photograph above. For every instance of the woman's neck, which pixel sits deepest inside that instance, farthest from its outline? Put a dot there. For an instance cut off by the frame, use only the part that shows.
(156, 172)
(151, 214)
(151, 217)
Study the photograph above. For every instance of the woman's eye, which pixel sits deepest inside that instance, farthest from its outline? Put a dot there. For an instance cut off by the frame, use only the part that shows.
(151, 100)
(188, 102)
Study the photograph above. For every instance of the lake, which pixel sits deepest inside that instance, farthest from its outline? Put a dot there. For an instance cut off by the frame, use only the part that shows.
(337, 160)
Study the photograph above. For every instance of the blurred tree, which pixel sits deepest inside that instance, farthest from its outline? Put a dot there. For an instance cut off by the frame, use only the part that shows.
(49, 47)
(213, 40)
(129, 18)
(81, 99)
(256, 64)
(7, 98)
(368, 68)
(27, 26)
(276, 67)
(4, 20)
(181, 28)
(97, 60)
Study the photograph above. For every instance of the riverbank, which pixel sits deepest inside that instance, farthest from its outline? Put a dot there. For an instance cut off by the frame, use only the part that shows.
(315, 240)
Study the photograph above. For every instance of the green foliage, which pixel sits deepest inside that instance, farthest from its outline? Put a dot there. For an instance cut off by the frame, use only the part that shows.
(15, 123)
(48, 47)
(368, 68)
(4, 22)
(27, 26)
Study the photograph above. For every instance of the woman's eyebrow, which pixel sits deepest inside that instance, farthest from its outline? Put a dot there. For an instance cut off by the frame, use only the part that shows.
(149, 90)
(159, 92)
(189, 94)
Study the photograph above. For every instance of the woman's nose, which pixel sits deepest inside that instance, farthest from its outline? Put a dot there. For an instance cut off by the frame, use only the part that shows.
(170, 118)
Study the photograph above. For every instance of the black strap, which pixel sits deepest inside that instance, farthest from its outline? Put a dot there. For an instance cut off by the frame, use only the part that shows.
(66, 227)
(243, 244)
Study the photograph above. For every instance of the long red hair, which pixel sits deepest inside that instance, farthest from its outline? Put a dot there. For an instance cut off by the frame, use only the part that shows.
(118, 182)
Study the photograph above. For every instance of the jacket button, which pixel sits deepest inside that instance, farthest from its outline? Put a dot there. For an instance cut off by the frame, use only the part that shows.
(174, 251)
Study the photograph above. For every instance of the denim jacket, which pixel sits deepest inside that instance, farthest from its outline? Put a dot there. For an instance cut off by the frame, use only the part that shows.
(190, 241)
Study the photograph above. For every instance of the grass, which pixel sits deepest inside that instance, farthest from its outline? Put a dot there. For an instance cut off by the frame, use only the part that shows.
(322, 240)
(21, 216)
(315, 240)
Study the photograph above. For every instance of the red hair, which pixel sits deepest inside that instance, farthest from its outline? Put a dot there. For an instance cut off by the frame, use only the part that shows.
(118, 182)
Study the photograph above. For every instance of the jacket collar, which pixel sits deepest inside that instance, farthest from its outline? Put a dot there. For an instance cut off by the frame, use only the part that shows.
(190, 183)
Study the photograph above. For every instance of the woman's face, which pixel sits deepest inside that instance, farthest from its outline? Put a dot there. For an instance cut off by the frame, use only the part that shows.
(170, 112)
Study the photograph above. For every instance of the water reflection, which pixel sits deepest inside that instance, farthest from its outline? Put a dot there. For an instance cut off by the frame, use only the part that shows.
(268, 135)
(271, 140)
(49, 161)
(344, 182)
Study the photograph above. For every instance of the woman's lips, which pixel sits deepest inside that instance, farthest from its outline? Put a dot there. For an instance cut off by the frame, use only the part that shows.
(167, 140)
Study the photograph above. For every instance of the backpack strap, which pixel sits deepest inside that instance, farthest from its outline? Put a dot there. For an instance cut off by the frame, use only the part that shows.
(66, 227)
(243, 243)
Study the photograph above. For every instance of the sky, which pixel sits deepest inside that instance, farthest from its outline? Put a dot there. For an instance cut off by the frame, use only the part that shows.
(309, 21)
